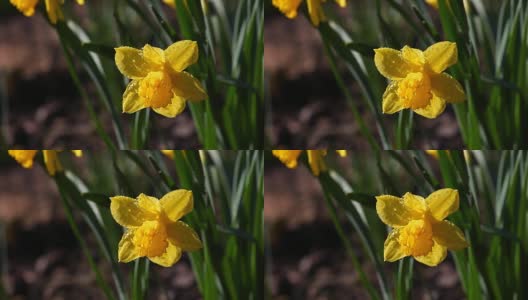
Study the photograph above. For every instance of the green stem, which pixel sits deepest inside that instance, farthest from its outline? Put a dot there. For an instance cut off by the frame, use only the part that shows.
(348, 247)
(93, 116)
(69, 216)
(362, 127)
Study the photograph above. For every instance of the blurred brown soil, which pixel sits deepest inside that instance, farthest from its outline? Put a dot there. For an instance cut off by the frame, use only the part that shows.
(308, 260)
(308, 109)
(45, 109)
(44, 260)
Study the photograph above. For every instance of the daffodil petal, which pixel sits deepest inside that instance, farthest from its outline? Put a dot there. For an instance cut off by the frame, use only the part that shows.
(177, 203)
(149, 203)
(183, 236)
(131, 100)
(176, 107)
(437, 255)
(413, 56)
(446, 87)
(434, 109)
(415, 205)
(442, 203)
(391, 101)
(131, 63)
(287, 157)
(187, 87)
(392, 211)
(449, 235)
(171, 256)
(182, 54)
(127, 212)
(441, 56)
(126, 250)
(154, 56)
(392, 250)
(391, 64)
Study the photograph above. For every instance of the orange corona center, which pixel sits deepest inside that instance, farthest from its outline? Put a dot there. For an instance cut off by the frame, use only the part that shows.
(415, 90)
(416, 238)
(156, 89)
(150, 239)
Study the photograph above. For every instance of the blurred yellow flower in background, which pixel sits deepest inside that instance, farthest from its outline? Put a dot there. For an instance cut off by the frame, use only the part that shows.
(23, 157)
(417, 79)
(153, 229)
(434, 3)
(51, 160)
(288, 157)
(170, 3)
(419, 228)
(315, 158)
(290, 7)
(204, 4)
(158, 77)
(434, 153)
(27, 7)
(168, 153)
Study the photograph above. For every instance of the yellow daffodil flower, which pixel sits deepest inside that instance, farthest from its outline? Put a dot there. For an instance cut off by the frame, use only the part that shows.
(417, 81)
(315, 158)
(153, 229)
(434, 153)
(315, 10)
(27, 7)
(419, 228)
(158, 77)
(51, 160)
